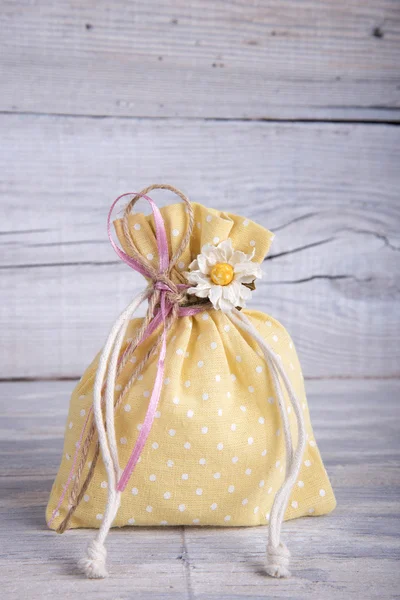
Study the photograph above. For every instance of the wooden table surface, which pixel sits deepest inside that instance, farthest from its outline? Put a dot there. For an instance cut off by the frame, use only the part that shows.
(352, 553)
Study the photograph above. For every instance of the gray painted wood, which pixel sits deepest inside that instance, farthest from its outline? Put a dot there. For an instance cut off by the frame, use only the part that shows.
(352, 553)
(247, 60)
(329, 192)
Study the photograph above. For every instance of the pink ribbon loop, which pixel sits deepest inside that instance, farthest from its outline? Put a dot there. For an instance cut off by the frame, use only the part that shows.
(159, 317)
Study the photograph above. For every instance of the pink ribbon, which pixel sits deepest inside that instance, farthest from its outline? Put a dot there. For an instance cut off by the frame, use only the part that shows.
(160, 317)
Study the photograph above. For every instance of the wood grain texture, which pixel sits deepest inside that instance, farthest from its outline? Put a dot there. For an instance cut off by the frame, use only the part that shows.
(352, 553)
(329, 192)
(274, 59)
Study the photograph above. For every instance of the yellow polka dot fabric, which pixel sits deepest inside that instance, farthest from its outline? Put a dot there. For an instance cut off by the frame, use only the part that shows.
(215, 454)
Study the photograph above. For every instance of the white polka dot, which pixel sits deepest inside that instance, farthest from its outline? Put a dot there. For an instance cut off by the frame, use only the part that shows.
(261, 420)
(246, 222)
(140, 377)
(149, 509)
(99, 516)
(202, 461)
(250, 440)
(214, 506)
(252, 243)
(139, 426)
(264, 452)
(218, 378)
(256, 509)
(154, 445)
(185, 476)
(205, 316)
(220, 446)
(163, 522)
(233, 427)
(199, 491)
(186, 354)
(311, 511)
(216, 240)
(243, 408)
(251, 389)
(82, 412)
(295, 504)
(135, 491)
(190, 413)
(322, 493)
(166, 380)
(86, 498)
(200, 364)
(127, 407)
(175, 232)
(268, 323)
(82, 397)
(172, 432)
(275, 338)
(205, 396)
(181, 264)
(187, 383)
(231, 489)
(204, 429)
(133, 359)
(179, 351)
(245, 501)
(271, 400)
(137, 226)
(152, 477)
(307, 463)
(233, 376)
(270, 490)
(300, 484)
(67, 456)
(167, 495)
(196, 521)
(259, 369)
(181, 507)
(217, 475)
(208, 218)
(219, 412)
(248, 471)
(227, 328)
(312, 443)
(103, 484)
(70, 425)
(150, 256)
(227, 518)
(146, 393)
(157, 415)
(239, 358)
(235, 459)
(261, 483)
(175, 400)
(170, 463)
(187, 445)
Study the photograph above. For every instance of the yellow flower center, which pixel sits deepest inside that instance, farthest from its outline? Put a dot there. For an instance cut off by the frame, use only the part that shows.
(221, 274)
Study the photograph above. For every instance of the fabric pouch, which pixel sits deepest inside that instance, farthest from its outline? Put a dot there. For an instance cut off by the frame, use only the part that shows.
(195, 414)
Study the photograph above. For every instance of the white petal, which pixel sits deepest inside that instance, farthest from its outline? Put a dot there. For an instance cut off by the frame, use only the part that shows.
(196, 277)
(238, 257)
(215, 294)
(200, 293)
(204, 263)
(225, 305)
(194, 265)
(245, 292)
(226, 249)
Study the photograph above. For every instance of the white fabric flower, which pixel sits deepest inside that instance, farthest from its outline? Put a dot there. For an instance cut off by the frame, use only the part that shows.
(220, 272)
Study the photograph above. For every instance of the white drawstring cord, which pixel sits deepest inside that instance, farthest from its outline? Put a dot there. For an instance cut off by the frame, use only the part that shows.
(277, 553)
(94, 564)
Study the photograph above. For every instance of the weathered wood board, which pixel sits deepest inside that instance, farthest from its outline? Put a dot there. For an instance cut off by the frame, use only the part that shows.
(229, 60)
(352, 553)
(330, 192)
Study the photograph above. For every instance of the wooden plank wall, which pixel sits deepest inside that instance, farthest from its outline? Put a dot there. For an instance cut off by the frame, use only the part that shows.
(284, 111)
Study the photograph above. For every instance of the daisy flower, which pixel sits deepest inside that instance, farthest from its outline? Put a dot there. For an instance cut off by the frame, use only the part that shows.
(223, 275)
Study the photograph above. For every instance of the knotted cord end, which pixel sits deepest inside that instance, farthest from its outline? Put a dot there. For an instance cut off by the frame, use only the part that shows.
(93, 565)
(278, 560)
